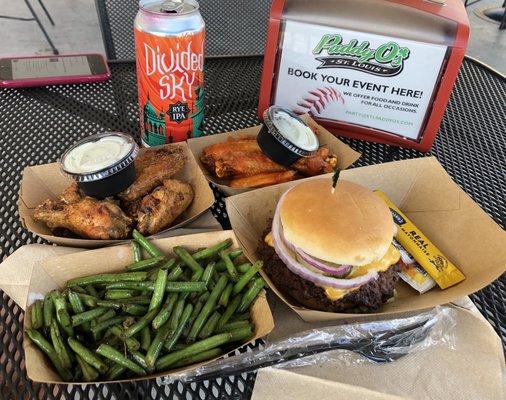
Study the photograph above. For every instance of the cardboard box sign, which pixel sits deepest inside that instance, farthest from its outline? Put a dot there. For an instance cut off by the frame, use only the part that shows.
(423, 190)
(43, 182)
(345, 154)
(54, 272)
(384, 75)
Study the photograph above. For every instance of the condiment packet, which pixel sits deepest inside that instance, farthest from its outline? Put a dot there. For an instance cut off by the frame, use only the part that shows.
(412, 273)
(430, 258)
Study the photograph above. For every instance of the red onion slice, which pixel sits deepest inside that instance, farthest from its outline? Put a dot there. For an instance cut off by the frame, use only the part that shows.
(293, 265)
(338, 271)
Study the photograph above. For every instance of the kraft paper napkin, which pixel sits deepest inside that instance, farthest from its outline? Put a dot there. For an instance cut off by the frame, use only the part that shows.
(277, 384)
(473, 369)
(16, 270)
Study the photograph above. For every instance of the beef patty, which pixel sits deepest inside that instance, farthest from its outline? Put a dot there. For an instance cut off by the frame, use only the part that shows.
(368, 298)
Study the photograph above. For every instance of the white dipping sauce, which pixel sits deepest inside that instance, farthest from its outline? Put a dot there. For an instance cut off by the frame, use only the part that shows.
(295, 131)
(96, 155)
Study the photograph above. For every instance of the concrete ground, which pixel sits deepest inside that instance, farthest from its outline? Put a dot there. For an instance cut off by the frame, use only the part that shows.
(487, 43)
(77, 30)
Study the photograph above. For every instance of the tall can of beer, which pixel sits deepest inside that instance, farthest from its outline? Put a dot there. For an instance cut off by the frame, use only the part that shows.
(169, 51)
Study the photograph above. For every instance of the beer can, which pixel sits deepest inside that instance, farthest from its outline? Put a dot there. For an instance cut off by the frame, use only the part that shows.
(169, 51)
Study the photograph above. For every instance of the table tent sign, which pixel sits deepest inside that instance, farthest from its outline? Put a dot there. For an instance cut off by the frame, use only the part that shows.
(384, 75)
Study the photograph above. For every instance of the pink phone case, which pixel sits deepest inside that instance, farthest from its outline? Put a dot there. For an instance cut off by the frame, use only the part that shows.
(57, 80)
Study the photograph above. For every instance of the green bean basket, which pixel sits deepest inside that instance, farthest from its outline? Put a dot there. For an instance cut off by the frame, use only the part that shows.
(143, 309)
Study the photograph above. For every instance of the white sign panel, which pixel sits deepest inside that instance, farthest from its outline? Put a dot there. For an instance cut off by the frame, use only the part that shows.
(364, 79)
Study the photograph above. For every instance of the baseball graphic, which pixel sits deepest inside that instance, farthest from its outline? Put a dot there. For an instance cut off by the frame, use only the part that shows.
(317, 100)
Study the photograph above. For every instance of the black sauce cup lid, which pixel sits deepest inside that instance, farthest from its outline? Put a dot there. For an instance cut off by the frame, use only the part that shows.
(275, 143)
(105, 172)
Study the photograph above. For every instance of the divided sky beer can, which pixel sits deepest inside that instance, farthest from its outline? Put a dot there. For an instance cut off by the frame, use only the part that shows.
(169, 51)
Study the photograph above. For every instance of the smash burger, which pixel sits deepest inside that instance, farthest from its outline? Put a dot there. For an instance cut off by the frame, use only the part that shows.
(332, 251)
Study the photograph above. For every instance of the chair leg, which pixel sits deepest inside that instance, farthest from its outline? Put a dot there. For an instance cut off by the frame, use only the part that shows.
(42, 5)
(16, 18)
(55, 50)
(502, 26)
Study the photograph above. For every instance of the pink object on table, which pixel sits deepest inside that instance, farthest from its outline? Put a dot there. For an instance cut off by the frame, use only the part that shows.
(32, 71)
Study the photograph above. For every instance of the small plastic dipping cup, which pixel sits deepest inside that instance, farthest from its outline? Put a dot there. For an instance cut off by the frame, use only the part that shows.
(285, 138)
(102, 164)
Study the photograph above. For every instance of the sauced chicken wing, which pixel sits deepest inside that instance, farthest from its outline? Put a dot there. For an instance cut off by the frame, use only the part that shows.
(152, 168)
(262, 180)
(213, 153)
(87, 217)
(237, 158)
(239, 165)
(243, 158)
(321, 163)
(161, 207)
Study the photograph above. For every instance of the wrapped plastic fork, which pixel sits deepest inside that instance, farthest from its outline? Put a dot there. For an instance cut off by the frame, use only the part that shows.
(377, 341)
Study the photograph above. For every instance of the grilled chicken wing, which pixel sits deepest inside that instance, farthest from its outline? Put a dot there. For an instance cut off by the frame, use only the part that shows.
(161, 207)
(131, 207)
(320, 163)
(72, 194)
(87, 217)
(152, 168)
(261, 180)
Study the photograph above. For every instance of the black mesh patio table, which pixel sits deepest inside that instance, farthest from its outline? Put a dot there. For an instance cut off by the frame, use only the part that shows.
(38, 124)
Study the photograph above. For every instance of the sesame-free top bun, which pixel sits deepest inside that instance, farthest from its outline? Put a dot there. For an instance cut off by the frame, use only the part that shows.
(350, 226)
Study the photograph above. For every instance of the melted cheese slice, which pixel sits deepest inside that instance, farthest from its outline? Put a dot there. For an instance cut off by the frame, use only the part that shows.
(391, 257)
(268, 240)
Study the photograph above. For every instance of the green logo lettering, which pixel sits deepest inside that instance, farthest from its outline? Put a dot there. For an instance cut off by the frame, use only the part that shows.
(327, 42)
(388, 55)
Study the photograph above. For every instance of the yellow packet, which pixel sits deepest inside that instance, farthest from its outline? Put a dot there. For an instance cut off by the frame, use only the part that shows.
(422, 249)
(412, 272)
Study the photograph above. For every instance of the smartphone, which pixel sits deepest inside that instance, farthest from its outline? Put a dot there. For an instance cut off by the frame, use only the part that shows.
(53, 70)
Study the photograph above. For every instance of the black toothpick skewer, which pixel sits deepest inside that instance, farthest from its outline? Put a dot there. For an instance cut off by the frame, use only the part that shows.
(335, 177)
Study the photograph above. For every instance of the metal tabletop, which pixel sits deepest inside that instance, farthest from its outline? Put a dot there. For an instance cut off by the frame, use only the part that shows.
(38, 124)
